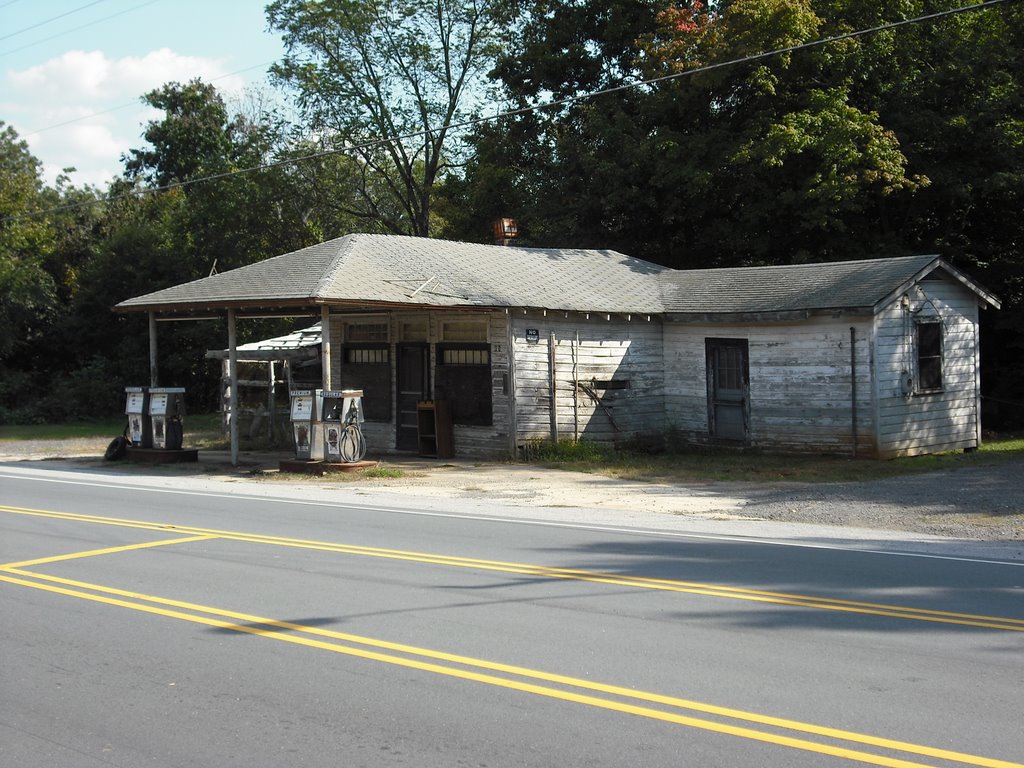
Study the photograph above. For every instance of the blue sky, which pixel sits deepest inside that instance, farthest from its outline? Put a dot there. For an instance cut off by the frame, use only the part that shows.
(72, 71)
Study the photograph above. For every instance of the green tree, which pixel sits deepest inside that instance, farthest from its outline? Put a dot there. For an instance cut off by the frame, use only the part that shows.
(765, 161)
(27, 291)
(386, 80)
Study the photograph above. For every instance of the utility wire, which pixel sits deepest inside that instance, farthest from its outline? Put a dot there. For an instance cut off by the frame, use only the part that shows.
(74, 29)
(54, 18)
(521, 110)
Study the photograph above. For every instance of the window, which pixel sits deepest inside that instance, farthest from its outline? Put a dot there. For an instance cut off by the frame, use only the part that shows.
(465, 356)
(464, 330)
(929, 355)
(368, 332)
(463, 378)
(413, 330)
(366, 356)
(368, 367)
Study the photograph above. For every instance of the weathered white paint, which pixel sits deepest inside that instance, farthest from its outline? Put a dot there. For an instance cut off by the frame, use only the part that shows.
(800, 386)
(587, 350)
(803, 376)
(928, 422)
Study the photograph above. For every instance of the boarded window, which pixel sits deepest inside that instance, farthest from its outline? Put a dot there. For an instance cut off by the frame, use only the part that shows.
(465, 330)
(366, 332)
(929, 355)
(369, 368)
(463, 377)
(414, 330)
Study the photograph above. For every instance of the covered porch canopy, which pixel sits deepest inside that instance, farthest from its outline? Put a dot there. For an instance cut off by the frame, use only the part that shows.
(385, 272)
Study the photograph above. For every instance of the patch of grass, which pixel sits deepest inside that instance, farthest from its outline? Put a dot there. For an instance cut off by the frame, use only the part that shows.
(389, 473)
(581, 452)
(201, 430)
(999, 445)
(70, 431)
(749, 466)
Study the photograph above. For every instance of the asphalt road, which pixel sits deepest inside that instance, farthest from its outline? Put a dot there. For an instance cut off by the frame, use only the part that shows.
(160, 627)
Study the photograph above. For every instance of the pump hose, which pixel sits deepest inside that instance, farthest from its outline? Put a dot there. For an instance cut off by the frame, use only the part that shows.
(351, 446)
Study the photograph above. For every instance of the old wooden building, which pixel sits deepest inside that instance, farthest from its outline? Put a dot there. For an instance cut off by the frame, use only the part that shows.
(877, 357)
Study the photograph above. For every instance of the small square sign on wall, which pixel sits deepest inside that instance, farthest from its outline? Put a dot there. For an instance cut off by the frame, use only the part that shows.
(532, 334)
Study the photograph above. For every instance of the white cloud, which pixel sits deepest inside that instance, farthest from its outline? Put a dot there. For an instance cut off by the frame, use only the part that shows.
(84, 109)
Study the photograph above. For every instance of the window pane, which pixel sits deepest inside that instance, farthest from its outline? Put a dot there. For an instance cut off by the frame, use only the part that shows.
(366, 332)
(929, 355)
(360, 356)
(463, 377)
(729, 367)
(465, 357)
(369, 369)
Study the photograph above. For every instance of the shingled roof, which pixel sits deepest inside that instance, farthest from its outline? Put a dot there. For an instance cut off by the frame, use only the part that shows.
(374, 270)
(364, 271)
(800, 288)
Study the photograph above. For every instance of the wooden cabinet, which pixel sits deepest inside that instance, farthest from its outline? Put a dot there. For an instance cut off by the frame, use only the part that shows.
(434, 429)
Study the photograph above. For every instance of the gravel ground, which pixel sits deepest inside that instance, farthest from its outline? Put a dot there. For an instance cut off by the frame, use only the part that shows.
(974, 502)
(981, 502)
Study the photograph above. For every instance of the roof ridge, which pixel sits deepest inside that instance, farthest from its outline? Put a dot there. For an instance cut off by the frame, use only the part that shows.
(813, 264)
(344, 247)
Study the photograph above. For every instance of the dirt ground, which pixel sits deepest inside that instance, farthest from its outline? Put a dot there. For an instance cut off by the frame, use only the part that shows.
(501, 483)
(979, 503)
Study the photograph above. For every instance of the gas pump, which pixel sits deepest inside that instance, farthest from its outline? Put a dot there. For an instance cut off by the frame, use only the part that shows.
(137, 410)
(302, 415)
(341, 414)
(166, 408)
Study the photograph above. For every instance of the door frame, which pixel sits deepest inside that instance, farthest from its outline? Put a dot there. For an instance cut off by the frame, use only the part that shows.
(400, 347)
(712, 346)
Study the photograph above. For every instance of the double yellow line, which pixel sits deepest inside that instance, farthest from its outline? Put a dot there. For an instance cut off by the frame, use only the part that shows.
(527, 569)
(669, 709)
(749, 725)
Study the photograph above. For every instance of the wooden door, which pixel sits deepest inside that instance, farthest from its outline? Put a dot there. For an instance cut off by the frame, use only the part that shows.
(413, 376)
(728, 389)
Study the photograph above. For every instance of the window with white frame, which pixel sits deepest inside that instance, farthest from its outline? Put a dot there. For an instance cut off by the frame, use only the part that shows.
(928, 343)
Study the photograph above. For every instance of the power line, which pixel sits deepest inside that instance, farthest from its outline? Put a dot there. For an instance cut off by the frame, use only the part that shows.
(74, 29)
(54, 18)
(521, 110)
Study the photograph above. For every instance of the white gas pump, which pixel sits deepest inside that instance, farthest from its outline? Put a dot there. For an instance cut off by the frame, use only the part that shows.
(341, 414)
(137, 410)
(302, 416)
(166, 409)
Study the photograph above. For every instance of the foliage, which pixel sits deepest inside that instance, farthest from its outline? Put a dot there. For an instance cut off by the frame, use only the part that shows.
(28, 294)
(909, 140)
(720, 464)
(387, 80)
(904, 141)
(566, 450)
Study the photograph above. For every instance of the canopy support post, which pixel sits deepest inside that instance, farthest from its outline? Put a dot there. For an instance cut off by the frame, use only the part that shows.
(233, 378)
(154, 378)
(325, 344)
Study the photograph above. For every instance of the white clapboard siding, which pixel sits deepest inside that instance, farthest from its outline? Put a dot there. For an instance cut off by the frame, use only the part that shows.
(619, 378)
(928, 422)
(801, 392)
(594, 352)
